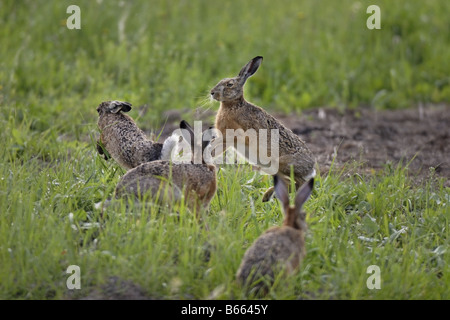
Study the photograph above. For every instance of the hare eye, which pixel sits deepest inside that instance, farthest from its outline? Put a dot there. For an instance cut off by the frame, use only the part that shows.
(230, 84)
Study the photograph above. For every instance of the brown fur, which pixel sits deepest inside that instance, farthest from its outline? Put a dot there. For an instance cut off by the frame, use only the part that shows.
(122, 138)
(279, 249)
(236, 113)
(198, 181)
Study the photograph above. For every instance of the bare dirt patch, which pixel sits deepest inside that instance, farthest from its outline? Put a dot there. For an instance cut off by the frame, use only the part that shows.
(372, 137)
(378, 137)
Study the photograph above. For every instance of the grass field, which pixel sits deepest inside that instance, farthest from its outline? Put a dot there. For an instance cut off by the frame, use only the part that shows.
(167, 55)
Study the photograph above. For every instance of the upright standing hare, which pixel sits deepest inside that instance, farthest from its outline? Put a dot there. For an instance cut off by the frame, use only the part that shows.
(279, 248)
(197, 181)
(124, 141)
(236, 113)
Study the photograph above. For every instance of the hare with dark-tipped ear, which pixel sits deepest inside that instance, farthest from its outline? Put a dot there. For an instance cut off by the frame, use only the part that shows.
(121, 138)
(196, 180)
(279, 249)
(237, 113)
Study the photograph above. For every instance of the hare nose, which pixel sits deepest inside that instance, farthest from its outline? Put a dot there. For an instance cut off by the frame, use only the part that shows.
(212, 93)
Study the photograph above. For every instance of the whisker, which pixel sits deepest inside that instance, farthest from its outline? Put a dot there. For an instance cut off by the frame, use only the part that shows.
(205, 104)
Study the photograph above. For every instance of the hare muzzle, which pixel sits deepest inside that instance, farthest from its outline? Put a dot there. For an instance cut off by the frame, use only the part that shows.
(215, 95)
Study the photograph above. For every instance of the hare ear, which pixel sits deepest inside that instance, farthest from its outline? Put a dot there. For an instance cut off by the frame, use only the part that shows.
(116, 106)
(303, 194)
(185, 125)
(281, 191)
(207, 137)
(250, 68)
(187, 132)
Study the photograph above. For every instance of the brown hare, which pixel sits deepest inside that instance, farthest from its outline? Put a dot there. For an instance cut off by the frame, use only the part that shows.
(196, 181)
(279, 248)
(124, 141)
(237, 114)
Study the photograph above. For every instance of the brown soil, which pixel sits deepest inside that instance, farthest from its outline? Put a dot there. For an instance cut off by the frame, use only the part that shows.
(371, 137)
(418, 136)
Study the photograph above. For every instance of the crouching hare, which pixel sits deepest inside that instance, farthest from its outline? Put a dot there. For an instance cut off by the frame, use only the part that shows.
(279, 248)
(124, 141)
(237, 114)
(170, 180)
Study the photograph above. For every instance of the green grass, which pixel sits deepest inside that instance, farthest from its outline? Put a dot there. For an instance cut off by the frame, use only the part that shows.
(48, 222)
(168, 56)
(170, 53)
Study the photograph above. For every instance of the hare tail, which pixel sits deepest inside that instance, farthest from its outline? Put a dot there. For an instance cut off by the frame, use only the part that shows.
(168, 146)
(311, 175)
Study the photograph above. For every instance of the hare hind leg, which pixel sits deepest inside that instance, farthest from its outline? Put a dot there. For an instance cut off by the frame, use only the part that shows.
(270, 191)
(268, 194)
